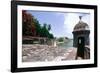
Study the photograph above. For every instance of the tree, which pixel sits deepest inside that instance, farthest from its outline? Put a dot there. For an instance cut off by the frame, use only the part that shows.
(51, 36)
(49, 27)
(32, 27)
(27, 23)
(61, 39)
(38, 27)
(45, 32)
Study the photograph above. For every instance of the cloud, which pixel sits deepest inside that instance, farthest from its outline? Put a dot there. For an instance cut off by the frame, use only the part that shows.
(71, 19)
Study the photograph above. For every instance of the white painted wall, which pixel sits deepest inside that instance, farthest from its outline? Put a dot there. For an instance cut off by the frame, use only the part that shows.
(5, 31)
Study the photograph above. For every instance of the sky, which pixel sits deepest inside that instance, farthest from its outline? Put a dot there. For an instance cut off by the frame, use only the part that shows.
(62, 24)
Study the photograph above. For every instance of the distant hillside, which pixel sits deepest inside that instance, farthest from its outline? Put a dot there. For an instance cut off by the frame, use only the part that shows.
(62, 39)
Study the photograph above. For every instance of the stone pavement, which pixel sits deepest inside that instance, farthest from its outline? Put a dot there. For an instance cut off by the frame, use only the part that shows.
(69, 55)
(35, 53)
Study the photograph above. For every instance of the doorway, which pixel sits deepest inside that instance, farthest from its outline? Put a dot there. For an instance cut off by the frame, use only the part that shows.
(80, 47)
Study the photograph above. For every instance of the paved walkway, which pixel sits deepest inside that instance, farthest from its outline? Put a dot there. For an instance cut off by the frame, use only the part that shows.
(69, 55)
(34, 53)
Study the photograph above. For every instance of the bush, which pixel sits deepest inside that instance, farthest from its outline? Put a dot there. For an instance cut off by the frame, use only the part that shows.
(60, 39)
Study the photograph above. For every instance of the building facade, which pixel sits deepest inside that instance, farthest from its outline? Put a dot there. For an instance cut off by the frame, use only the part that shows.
(81, 29)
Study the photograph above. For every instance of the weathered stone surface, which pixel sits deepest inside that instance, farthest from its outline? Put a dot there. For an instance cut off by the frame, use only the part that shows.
(35, 53)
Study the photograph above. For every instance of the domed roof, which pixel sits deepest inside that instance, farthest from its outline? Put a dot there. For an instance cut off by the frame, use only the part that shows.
(81, 26)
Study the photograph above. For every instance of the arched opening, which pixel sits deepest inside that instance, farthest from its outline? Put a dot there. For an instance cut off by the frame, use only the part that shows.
(80, 47)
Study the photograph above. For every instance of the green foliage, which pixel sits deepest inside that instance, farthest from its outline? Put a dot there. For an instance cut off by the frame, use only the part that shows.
(32, 27)
(49, 27)
(60, 39)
